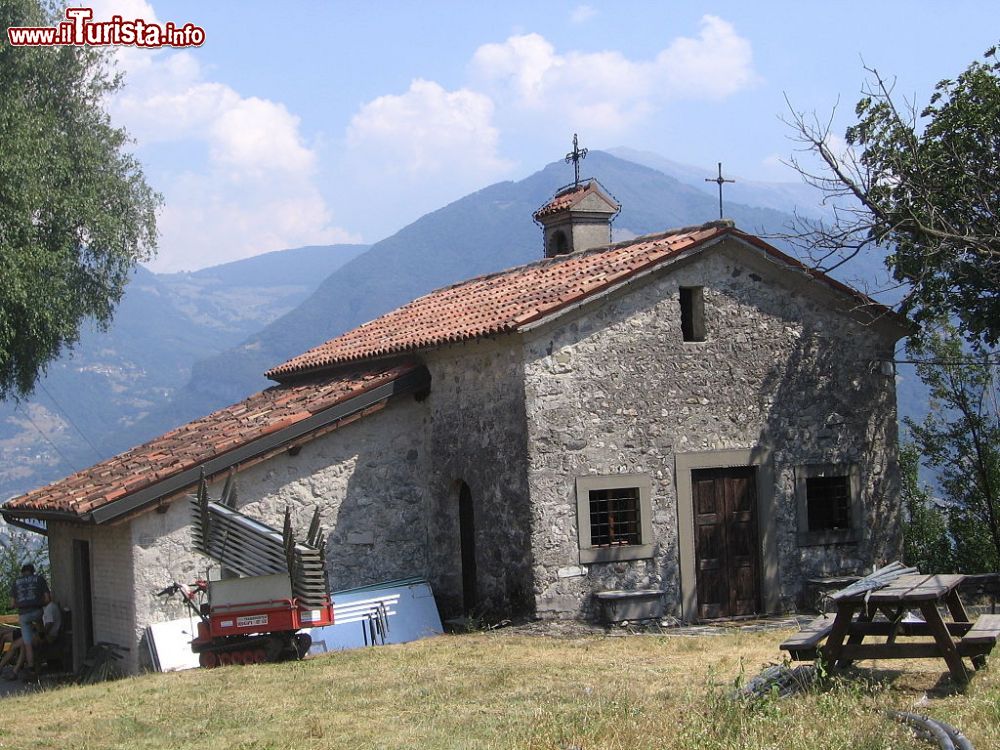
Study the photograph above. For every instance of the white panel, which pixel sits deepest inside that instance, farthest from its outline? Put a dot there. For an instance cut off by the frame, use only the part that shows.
(409, 611)
(170, 644)
(252, 589)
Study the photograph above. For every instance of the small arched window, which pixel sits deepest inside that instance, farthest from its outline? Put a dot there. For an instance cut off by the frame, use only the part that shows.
(558, 244)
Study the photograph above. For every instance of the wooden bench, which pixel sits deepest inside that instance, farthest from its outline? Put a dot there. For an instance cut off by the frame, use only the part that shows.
(980, 639)
(803, 646)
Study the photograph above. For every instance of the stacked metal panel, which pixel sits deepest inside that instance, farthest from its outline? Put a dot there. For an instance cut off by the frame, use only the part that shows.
(250, 548)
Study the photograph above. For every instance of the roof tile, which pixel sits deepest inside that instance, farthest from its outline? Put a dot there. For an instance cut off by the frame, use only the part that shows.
(508, 300)
(570, 197)
(496, 303)
(195, 443)
(492, 304)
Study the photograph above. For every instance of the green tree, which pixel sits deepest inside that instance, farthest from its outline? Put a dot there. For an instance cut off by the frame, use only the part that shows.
(960, 438)
(922, 186)
(926, 540)
(76, 214)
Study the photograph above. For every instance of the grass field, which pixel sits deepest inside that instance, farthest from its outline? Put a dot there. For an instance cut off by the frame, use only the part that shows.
(500, 690)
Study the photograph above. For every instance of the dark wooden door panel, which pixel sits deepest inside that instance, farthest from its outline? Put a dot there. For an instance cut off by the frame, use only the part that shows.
(706, 504)
(711, 548)
(726, 549)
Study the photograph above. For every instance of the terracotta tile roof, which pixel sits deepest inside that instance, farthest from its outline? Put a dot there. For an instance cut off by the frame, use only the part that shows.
(193, 444)
(568, 198)
(508, 300)
(496, 303)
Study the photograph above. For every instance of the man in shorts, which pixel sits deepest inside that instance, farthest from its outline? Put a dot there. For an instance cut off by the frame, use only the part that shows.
(29, 594)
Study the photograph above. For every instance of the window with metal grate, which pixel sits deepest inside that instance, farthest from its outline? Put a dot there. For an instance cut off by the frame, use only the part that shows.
(614, 517)
(828, 500)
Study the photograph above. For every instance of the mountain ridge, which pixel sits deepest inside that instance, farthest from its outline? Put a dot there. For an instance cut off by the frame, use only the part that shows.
(112, 378)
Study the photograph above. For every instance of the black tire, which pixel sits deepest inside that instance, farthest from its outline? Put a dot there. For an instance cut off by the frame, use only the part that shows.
(302, 643)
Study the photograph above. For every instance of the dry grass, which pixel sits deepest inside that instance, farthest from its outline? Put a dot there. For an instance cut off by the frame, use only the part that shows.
(503, 691)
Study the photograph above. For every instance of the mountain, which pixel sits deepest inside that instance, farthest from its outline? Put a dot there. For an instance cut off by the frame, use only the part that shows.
(112, 379)
(241, 297)
(483, 232)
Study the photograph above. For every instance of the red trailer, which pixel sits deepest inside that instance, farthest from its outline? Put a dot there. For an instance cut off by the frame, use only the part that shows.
(276, 586)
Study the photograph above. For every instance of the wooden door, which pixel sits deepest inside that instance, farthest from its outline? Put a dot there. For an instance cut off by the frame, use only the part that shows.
(83, 602)
(726, 549)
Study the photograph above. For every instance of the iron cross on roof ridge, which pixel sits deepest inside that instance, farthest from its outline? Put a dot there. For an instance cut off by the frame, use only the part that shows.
(720, 180)
(575, 156)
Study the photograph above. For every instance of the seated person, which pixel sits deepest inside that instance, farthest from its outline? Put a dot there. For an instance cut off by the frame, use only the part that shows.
(8, 636)
(14, 656)
(51, 625)
(43, 634)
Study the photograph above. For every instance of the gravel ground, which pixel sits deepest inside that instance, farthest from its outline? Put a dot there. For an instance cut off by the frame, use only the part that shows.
(664, 627)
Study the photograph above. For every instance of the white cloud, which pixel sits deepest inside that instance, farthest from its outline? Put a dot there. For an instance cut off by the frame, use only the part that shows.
(839, 148)
(217, 216)
(255, 189)
(129, 59)
(245, 179)
(582, 13)
(716, 64)
(773, 161)
(259, 135)
(420, 149)
(607, 90)
(428, 130)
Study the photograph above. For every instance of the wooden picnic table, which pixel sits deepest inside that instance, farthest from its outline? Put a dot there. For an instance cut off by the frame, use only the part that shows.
(856, 620)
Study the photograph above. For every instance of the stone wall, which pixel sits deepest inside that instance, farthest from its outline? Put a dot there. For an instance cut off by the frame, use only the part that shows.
(478, 436)
(613, 389)
(368, 479)
(162, 554)
(388, 486)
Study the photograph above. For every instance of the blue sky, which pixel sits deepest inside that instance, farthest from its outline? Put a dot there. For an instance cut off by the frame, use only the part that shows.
(312, 123)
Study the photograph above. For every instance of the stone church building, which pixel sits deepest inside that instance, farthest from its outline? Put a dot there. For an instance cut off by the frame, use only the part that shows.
(692, 412)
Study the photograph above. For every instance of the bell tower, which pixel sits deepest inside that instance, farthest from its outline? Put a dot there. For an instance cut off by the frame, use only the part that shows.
(579, 216)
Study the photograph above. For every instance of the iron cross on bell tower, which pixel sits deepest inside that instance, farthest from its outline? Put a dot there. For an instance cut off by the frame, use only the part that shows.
(720, 180)
(575, 156)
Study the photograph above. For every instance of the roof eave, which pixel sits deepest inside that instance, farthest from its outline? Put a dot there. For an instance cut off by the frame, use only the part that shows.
(17, 517)
(412, 381)
(305, 372)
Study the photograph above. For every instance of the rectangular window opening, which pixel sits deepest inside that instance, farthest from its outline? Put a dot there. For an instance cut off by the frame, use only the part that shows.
(692, 300)
(614, 517)
(828, 503)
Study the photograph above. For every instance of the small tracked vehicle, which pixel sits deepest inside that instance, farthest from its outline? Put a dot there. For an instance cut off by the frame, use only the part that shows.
(273, 588)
